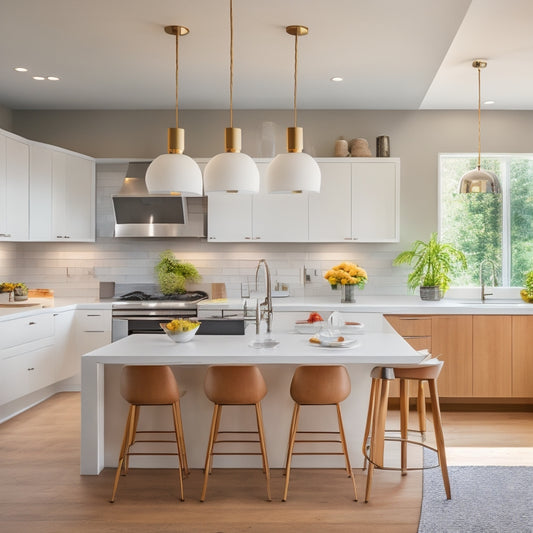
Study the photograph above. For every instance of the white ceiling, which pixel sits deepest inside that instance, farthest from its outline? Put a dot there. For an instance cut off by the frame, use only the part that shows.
(392, 54)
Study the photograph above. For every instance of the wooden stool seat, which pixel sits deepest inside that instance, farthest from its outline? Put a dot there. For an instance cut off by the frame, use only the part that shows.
(318, 385)
(374, 437)
(150, 385)
(234, 385)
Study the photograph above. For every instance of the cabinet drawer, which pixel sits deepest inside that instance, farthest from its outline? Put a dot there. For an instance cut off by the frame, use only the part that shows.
(93, 320)
(24, 330)
(411, 325)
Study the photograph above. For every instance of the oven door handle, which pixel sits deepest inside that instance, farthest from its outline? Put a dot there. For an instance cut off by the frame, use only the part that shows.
(144, 317)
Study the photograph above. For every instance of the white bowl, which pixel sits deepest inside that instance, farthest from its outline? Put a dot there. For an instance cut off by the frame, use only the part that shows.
(180, 336)
(308, 327)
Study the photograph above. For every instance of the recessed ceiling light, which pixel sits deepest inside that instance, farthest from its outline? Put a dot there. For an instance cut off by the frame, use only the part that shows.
(337, 78)
(489, 102)
(39, 78)
(52, 78)
(21, 69)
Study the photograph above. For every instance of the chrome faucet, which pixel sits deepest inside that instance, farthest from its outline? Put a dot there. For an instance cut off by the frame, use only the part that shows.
(264, 309)
(481, 280)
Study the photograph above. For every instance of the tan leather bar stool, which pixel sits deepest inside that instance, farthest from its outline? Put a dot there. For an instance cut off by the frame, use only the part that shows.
(374, 437)
(150, 385)
(234, 385)
(318, 385)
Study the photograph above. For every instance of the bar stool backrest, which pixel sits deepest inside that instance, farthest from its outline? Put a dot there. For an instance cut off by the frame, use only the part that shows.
(234, 385)
(148, 385)
(320, 384)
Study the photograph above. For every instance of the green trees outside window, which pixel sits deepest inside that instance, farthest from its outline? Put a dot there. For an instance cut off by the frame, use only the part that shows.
(492, 226)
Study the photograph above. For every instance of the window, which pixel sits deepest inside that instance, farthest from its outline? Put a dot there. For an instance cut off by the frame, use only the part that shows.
(489, 226)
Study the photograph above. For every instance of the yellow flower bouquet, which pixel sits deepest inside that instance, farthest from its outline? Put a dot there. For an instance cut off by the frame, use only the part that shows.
(346, 274)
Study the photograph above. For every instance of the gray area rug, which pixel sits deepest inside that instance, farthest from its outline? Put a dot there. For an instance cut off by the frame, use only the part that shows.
(485, 499)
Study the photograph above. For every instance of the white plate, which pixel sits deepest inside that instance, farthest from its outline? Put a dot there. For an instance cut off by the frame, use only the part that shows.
(348, 342)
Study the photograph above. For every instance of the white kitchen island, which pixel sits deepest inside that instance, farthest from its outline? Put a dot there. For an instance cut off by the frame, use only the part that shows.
(104, 411)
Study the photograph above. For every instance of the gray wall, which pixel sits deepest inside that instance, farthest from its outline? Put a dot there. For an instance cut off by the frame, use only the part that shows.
(416, 137)
(6, 118)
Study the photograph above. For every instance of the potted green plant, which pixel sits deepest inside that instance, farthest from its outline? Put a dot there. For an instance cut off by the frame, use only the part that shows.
(173, 274)
(527, 293)
(432, 263)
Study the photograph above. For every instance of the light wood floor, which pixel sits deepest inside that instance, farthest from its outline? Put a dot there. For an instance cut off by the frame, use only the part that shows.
(41, 489)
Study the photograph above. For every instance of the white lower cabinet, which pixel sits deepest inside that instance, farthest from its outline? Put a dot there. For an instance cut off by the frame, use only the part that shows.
(42, 349)
(28, 360)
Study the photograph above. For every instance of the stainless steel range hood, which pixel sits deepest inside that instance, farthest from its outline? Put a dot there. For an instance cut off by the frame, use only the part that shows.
(139, 214)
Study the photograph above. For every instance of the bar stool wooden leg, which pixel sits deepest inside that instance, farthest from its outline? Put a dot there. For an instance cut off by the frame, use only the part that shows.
(292, 438)
(345, 450)
(377, 445)
(183, 453)
(217, 427)
(421, 408)
(209, 454)
(123, 449)
(404, 422)
(136, 409)
(371, 402)
(291, 430)
(260, 430)
(177, 431)
(439, 435)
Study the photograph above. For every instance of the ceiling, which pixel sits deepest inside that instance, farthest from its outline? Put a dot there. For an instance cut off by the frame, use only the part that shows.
(392, 54)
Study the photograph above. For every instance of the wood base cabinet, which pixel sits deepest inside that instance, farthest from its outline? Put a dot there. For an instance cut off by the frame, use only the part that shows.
(522, 376)
(486, 356)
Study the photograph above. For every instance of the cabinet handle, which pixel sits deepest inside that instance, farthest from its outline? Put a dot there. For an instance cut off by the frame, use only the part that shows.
(347, 238)
(247, 238)
(31, 323)
(5, 234)
(59, 236)
(32, 368)
(257, 238)
(66, 236)
(94, 315)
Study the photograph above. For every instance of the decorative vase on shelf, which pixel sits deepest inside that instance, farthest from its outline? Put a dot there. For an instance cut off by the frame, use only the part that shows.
(348, 293)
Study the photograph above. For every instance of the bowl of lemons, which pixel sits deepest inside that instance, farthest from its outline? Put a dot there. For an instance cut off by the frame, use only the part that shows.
(180, 329)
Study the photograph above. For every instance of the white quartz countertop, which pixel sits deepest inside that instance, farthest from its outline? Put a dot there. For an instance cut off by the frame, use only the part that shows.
(375, 348)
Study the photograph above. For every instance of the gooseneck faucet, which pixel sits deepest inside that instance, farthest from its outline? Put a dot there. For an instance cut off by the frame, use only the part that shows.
(481, 279)
(264, 309)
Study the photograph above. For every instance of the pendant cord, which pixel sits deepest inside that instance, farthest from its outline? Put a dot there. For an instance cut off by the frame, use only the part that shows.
(231, 65)
(479, 118)
(295, 75)
(177, 69)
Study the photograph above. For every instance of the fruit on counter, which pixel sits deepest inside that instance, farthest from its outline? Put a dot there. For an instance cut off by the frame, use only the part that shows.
(180, 325)
(526, 296)
(314, 317)
(315, 340)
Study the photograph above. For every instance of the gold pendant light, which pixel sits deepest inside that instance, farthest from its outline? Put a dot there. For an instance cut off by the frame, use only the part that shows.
(175, 172)
(478, 180)
(231, 171)
(294, 172)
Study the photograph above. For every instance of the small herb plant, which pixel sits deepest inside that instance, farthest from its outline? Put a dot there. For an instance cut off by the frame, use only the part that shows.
(173, 274)
(433, 262)
(527, 292)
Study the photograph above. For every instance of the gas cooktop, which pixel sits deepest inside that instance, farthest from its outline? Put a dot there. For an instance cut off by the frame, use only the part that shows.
(140, 296)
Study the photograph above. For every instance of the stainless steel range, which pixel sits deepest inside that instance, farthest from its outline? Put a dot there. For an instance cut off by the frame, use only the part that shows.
(141, 312)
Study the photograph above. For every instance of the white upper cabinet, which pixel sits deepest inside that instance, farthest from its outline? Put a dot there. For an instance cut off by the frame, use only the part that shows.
(14, 179)
(72, 197)
(376, 201)
(330, 212)
(62, 195)
(279, 217)
(358, 202)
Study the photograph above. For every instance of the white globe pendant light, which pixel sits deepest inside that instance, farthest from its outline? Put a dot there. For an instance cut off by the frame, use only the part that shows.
(295, 171)
(479, 180)
(175, 172)
(231, 171)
